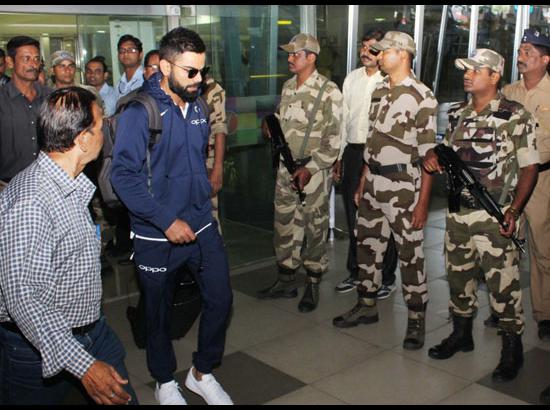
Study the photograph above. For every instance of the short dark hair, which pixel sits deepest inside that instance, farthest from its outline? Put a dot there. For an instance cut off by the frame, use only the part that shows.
(544, 51)
(20, 41)
(99, 59)
(129, 37)
(178, 41)
(2, 53)
(373, 34)
(63, 115)
(149, 55)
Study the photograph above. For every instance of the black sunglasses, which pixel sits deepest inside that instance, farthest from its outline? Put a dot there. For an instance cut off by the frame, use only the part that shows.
(192, 72)
(374, 52)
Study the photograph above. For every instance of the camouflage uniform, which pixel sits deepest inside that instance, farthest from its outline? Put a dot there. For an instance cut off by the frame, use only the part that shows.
(403, 128)
(294, 223)
(492, 143)
(215, 99)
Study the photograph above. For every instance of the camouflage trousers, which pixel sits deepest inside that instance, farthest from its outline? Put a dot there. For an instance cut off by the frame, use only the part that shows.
(295, 223)
(213, 198)
(386, 207)
(473, 241)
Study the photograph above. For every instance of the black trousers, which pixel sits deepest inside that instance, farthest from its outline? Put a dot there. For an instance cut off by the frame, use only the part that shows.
(352, 165)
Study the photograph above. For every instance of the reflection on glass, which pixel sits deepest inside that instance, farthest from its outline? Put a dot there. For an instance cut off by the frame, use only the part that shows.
(432, 24)
(99, 35)
(455, 45)
(496, 31)
(386, 18)
(539, 18)
(332, 36)
(53, 31)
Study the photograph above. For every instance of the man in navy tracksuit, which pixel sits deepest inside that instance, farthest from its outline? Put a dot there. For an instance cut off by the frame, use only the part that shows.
(168, 218)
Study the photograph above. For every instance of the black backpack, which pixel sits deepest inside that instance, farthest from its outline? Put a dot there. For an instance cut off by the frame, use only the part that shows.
(185, 309)
(155, 131)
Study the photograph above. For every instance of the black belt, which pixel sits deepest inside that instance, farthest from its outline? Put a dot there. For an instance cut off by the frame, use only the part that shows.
(77, 331)
(358, 147)
(387, 169)
(544, 167)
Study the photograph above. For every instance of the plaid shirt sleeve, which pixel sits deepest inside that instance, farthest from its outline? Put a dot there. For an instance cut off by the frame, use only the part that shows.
(29, 288)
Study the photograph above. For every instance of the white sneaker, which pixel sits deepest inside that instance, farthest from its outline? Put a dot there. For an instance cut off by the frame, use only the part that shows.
(169, 394)
(208, 388)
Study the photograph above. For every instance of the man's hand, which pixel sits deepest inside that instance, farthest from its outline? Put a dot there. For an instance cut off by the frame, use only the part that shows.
(431, 163)
(337, 171)
(179, 232)
(301, 177)
(511, 222)
(419, 216)
(359, 193)
(265, 130)
(104, 384)
(216, 179)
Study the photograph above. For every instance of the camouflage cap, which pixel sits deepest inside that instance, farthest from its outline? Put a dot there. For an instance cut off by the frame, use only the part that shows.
(61, 55)
(302, 41)
(483, 57)
(396, 39)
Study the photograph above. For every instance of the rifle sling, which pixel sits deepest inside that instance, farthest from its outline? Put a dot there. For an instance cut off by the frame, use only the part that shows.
(311, 118)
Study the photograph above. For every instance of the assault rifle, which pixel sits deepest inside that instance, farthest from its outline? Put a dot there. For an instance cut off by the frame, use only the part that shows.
(461, 177)
(280, 147)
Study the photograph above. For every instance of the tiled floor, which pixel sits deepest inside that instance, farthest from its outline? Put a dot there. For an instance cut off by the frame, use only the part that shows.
(277, 355)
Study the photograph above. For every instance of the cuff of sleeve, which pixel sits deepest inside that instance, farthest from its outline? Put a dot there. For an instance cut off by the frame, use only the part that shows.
(77, 360)
(424, 148)
(218, 129)
(163, 220)
(528, 158)
(312, 167)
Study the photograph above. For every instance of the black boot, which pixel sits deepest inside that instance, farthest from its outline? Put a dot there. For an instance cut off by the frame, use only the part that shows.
(310, 299)
(364, 312)
(511, 358)
(416, 330)
(459, 340)
(284, 286)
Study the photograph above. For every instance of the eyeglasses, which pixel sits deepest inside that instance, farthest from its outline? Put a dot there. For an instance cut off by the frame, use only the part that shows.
(127, 50)
(192, 72)
(153, 66)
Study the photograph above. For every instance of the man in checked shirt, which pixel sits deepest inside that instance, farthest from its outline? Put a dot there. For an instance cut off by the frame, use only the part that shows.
(50, 272)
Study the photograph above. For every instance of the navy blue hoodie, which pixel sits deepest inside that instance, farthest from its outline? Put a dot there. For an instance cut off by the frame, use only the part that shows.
(180, 186)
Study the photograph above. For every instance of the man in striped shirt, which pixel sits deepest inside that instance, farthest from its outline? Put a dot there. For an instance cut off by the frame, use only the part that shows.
(51, 327)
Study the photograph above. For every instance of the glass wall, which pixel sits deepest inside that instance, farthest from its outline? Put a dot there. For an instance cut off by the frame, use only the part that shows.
(333, 39)
(99, 34)
(56, 32)
(539, 17)
(430, 39)
(242, 48)
(496, 31)
(386, 18)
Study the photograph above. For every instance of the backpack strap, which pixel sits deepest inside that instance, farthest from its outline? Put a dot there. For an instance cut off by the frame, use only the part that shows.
(204, 106)
(155, 129)
(153, 115)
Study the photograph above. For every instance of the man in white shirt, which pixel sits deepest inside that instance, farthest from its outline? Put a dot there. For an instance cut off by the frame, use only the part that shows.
(358, 87)
(130, 54)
